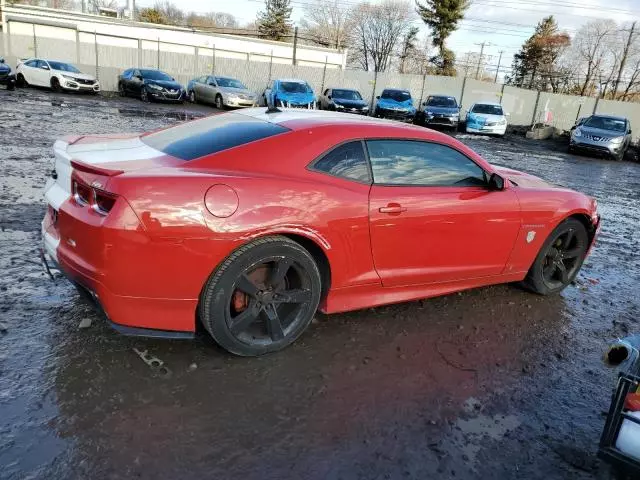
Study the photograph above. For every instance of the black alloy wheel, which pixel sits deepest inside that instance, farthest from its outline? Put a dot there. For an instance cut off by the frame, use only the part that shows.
(262, 297)
(144, 95)
(560, 258)
(55, 85)
(21, 81)
(219, 102)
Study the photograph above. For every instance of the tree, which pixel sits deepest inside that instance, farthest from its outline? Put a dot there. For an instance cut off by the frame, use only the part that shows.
(96, 5)
(536, 64)
(212, 20)
(151, 15)
(467, 65)
(375, 31)
(325, 23)
(171, 13)
(442, 16)
(274, 22)
(590, 48)
(408, 49)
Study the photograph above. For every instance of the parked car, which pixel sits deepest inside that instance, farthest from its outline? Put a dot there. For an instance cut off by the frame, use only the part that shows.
(289, 93)
(343, 100)
(602, 134)
(486, 117)
(56, 75)
(221, 91)
(396, 104)
(248, 221)
(442, 110)
(7, 77)
(149, 85)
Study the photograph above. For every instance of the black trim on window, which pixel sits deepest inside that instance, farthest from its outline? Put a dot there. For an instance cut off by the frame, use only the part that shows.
(365, 153)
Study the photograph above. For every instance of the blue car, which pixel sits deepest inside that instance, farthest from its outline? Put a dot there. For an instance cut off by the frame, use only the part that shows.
(442, 110)
(290, 93)
(396, 104)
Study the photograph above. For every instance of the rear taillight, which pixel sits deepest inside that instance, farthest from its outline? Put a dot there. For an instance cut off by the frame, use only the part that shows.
(103, 202)
(81, 193)
(100, 201)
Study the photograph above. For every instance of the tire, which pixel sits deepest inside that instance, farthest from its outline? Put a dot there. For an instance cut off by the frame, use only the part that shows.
(620, 156)
(11, 86)
(192, 96)
(55, 85)
(121, 91)
(144, 95)
(243, 289)
(546, 277)
(20, 81)
(219, 102)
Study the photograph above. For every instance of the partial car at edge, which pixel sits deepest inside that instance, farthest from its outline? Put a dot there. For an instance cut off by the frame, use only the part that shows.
(7, 77)
(249, 221)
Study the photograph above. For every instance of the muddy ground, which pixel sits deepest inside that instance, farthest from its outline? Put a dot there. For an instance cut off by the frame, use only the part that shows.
(490, 383)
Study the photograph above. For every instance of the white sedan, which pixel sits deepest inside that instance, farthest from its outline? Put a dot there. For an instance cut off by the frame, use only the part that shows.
(486, 117)
(56, 75)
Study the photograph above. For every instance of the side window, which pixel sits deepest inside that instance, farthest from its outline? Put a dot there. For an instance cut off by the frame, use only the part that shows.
(40, 63)
(346, 161)
(407, 162)
(136, 73)
(31, 63)
(127, 74)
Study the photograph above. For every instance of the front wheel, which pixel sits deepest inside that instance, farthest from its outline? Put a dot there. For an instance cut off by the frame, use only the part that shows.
(55, 85)
(121, 91)
(559, 259)
(144, 95)
(192, 96)
(219, 102)
(20, 81)
(262, 297)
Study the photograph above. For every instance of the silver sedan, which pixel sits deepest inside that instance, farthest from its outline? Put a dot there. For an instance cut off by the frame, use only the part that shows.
(221, 91)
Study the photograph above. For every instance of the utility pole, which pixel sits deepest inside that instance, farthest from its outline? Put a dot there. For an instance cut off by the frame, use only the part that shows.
(623, 61)
(295, 44)
(495, 80)
(482, 45)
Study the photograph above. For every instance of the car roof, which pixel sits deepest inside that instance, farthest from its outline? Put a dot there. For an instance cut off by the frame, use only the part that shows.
(612, 117)
(396, 90)
(295, 80)
(495, 104)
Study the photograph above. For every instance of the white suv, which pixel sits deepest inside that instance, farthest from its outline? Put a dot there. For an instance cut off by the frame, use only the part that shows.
(57, 75)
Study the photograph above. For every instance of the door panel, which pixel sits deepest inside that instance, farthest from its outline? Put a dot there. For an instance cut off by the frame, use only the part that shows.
(437, 234)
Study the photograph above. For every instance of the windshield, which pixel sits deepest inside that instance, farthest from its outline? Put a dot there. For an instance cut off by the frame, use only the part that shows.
(606, 123)
(63, 67)
(346, 95)
(295, 87)
(488, 109)
(449, 102)
(397, 95)
(229, 82)
(155, 75)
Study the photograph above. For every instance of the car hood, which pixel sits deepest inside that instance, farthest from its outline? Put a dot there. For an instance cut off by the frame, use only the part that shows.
(600, 132)
(350, 103)
(526, 180)
(81, 76)
(237, 91)
(163, 83)
(390, 103)
(444, 110)
(296, 97)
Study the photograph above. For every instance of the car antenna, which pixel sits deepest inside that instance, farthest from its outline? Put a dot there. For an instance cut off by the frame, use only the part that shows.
(273, 109)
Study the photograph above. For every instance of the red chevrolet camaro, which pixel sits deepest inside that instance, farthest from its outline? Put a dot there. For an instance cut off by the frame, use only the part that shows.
(250, 221)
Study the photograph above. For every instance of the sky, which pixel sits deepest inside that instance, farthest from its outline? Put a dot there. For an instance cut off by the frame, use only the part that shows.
(502, 24)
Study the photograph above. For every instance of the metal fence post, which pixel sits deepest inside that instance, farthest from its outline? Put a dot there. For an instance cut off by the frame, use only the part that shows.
(35, 41)
(502, 93)
(424, 79)
(373, 93)
(9, 38)
(535, 110)
(77, 46)
(324, 72)
(246, 68)
(196, 52)
(158, 62)
(95, 44)
(139, 52)
(595, 106)
(213, 60)
(270, 66)
(464, 84)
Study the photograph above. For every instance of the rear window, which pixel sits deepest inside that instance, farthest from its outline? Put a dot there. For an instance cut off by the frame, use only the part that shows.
(209, 135)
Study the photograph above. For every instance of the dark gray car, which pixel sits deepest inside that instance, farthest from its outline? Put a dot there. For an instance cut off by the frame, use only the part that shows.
(602, 134)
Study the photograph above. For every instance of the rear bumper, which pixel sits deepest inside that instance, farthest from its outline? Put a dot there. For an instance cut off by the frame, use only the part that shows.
(131, 314)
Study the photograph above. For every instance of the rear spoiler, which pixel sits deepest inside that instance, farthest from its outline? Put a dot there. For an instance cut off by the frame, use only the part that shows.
(95, 170)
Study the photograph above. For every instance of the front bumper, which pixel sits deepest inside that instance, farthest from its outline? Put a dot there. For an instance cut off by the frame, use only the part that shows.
(441, 120)
(354, 110)
(80, 87)
(164, 96)
(489, 129)
(242, 103)
(597, 148)
(8, 80)
(403, 115)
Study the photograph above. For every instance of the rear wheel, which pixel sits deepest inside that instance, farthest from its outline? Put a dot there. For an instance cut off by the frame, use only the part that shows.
(192, 96)
(55, 85)
(262, 297)
(559, 259)
(121, 91)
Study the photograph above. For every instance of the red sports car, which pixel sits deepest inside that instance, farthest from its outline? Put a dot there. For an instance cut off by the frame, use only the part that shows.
(250, 221)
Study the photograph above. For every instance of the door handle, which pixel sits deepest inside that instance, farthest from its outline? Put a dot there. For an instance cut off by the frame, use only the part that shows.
(393, 208)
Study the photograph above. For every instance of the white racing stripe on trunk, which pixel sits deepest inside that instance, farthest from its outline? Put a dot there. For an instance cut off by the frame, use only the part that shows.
(112, 150)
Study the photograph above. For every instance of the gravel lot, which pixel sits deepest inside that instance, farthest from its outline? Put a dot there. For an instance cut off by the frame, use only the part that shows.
(491, 383)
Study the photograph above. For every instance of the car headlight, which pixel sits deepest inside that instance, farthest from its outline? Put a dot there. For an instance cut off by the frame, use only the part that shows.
(154, 87)
(69, 77)
(577, 132)
(365, 108)
(617, 140)
(338, 105)
(502, 122)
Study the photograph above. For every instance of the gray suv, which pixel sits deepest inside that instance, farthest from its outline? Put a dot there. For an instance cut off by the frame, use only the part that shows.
(601, 134)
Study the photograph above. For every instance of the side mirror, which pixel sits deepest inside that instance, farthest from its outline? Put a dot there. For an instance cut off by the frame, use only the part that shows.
(496, 182)
(329, 97)
(45, 67)
(139, 77)
(378, 97)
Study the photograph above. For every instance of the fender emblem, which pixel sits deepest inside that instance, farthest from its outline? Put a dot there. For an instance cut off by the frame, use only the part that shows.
(530, 236)
(96, 184)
